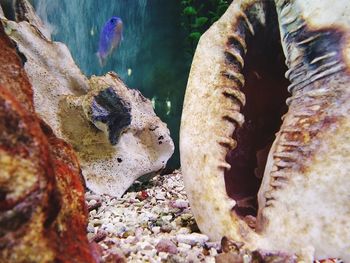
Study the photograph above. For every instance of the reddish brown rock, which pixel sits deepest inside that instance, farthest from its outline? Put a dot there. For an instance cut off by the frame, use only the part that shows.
(166, 245)
(42, 211)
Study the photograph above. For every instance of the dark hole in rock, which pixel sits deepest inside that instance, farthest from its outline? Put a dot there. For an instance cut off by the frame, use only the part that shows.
(266, 93)
(21, 56)
(112, 110)
(8, 8)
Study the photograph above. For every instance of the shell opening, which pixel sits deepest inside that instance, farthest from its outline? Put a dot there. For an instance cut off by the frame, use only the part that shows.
(266, 92)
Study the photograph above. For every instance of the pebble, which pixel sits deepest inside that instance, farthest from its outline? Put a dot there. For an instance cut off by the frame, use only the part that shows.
(183, 246)
(92, 202)
(180, 203)
(96, 222)
(90, 196)
(192, 239)
(109, 227)
(216, 245)
(166, 245)
(167, 218)
(167, 228)
(160, 196)
(116, 257)
(90, 228)
(156, 229)
(100, 235)
(184, 230)
(163, 255)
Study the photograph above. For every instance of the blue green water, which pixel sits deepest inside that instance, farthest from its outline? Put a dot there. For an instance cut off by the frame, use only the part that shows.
(151, 58)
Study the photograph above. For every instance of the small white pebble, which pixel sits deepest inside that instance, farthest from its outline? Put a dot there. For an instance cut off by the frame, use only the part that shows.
(183, 230)
(90, 228)
(184, 246)
(156, 229)
(163, 255)
(104, 246)
(167, 218)
(107, 214)
(180, 203)
(160, 196)
(96, 222)
(246, 259)
(210, 260)
(93, 213)
(192, 239)
(109, 227)
(215, 245)
(213, 252)
(92, 202)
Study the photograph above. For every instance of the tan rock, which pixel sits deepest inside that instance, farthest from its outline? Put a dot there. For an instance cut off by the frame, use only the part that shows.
(116, 134)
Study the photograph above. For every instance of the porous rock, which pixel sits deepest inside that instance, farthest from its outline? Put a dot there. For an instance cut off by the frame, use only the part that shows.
(42, 210)
(113, 129)
(25, 12)
(1, 12)
(116, 133)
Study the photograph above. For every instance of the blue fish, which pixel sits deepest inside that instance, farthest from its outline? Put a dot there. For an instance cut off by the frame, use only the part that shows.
(110, 38)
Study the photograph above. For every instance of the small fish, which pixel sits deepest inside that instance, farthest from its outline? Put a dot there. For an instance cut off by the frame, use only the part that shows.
(110, 38)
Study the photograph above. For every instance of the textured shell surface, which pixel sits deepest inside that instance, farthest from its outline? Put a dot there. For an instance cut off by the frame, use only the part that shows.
(303, 200)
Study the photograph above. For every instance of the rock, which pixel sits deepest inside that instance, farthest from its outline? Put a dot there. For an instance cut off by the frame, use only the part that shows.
(156, 230)
(192, 239)
(1, 12)
(115, 256)
(43, 216)
(263, 256)
(228, 245)
(166, 228)
(128, 144)
(142, 195)
(215, 245)
(179, 203)
(113, 129)
(229, 258)
(97, 251)
(166, 245)
(100, 235)
(25, 12)
(94, 205)
(160, 196)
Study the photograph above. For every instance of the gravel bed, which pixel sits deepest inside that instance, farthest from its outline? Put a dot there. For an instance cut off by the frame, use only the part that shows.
(152, 222)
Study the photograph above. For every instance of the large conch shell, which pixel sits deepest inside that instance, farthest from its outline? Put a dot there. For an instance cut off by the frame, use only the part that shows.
(277, 186)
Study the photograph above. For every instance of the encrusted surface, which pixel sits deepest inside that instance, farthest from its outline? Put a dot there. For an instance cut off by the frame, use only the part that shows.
(42, 209)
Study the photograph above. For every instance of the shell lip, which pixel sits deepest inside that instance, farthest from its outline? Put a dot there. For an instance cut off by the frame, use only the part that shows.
(265, 92)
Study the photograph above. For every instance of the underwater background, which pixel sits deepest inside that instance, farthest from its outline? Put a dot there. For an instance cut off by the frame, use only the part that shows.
(159, 39)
